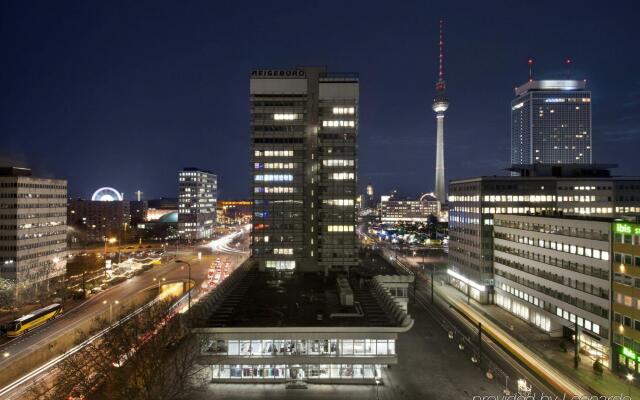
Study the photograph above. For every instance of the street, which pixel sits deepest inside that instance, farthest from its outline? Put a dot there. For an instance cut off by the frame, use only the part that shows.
(44, 338)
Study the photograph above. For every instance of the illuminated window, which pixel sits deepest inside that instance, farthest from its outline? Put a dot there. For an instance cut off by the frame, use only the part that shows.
(285, 117)
(338, 163)
(344, 110)
(280, 251)
(339, 202)
(273, 190)
(340, 228)
(339, 124)
(274, 178)
(281, 264)
(340, 176)
(273, 153)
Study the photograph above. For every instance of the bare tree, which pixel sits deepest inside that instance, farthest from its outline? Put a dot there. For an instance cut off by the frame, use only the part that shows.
(152, 356)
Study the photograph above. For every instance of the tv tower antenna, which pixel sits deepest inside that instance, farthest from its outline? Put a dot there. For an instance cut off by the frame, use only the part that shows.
(568, 62)
(530, 62)
(440, 84)
(440, 105)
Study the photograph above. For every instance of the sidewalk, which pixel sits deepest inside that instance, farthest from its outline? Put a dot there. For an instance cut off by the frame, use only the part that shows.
(545, 346)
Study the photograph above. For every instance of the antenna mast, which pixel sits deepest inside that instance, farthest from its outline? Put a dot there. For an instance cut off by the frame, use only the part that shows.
(440, 84)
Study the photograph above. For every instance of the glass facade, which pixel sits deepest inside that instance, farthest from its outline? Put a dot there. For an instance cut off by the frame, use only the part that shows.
(311, 347)
(298, 371)
(197, 199)
(551, 126)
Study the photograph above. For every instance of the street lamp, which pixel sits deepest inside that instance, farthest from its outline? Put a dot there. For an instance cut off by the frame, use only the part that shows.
(377, 388)
(189, 281)
(116, 302)
(629, 380)
(6, 354)
(159, 280)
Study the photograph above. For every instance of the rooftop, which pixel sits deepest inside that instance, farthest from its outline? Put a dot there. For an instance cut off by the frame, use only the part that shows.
(551, 85)
(275, 299)
(14, 171)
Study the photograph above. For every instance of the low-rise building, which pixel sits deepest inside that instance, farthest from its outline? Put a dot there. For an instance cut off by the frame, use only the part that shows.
(269, 326)
(397, 210)
(554, 272)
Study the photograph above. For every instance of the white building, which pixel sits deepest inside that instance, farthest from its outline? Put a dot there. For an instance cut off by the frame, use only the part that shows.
(197, 199)
(555, 272)
(33, 230)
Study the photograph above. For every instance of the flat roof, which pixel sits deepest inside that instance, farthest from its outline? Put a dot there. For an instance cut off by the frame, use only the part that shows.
(543, 178)
(576, 217)
(271, 299)
(551, 85)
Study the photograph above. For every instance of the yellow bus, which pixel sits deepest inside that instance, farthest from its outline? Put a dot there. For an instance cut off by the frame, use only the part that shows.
(33, 320)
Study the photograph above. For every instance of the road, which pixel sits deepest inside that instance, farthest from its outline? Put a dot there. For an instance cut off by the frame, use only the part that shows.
(454, 304)
(100, 303)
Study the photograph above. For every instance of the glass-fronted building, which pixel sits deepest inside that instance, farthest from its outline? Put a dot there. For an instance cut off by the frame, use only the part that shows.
(551, 123)
(197, 198)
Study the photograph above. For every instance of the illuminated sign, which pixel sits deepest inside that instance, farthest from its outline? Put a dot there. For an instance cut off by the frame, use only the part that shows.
(554, 100)
(277, 73)
(519, 105)
(626, 228)
(628, 353)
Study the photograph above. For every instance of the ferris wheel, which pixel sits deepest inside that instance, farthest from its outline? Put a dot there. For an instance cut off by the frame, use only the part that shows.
(106, 194)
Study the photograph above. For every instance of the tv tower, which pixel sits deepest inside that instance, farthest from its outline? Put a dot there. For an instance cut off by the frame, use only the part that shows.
(440, 105)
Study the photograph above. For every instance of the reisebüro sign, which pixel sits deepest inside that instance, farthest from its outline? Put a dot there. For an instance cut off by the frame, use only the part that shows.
(277, 73)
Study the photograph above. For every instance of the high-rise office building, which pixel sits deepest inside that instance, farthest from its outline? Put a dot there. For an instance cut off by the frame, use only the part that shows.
(551, 123)
(33, 232)
(541, 189)
(197, 197)
(440, 105)
(304, 125)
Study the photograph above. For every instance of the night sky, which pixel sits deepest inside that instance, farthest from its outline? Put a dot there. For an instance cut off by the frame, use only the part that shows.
(126, 93)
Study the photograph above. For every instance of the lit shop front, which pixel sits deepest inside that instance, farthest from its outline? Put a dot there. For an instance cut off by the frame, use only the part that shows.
(318, 354)
(311, 372)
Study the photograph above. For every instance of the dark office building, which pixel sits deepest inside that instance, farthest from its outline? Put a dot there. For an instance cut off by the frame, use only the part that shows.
(304, 125)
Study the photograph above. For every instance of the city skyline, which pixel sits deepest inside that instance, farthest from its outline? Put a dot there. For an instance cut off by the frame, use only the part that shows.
(129, 104)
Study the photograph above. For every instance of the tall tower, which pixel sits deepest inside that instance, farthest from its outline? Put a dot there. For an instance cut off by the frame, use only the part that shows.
(440, 105)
